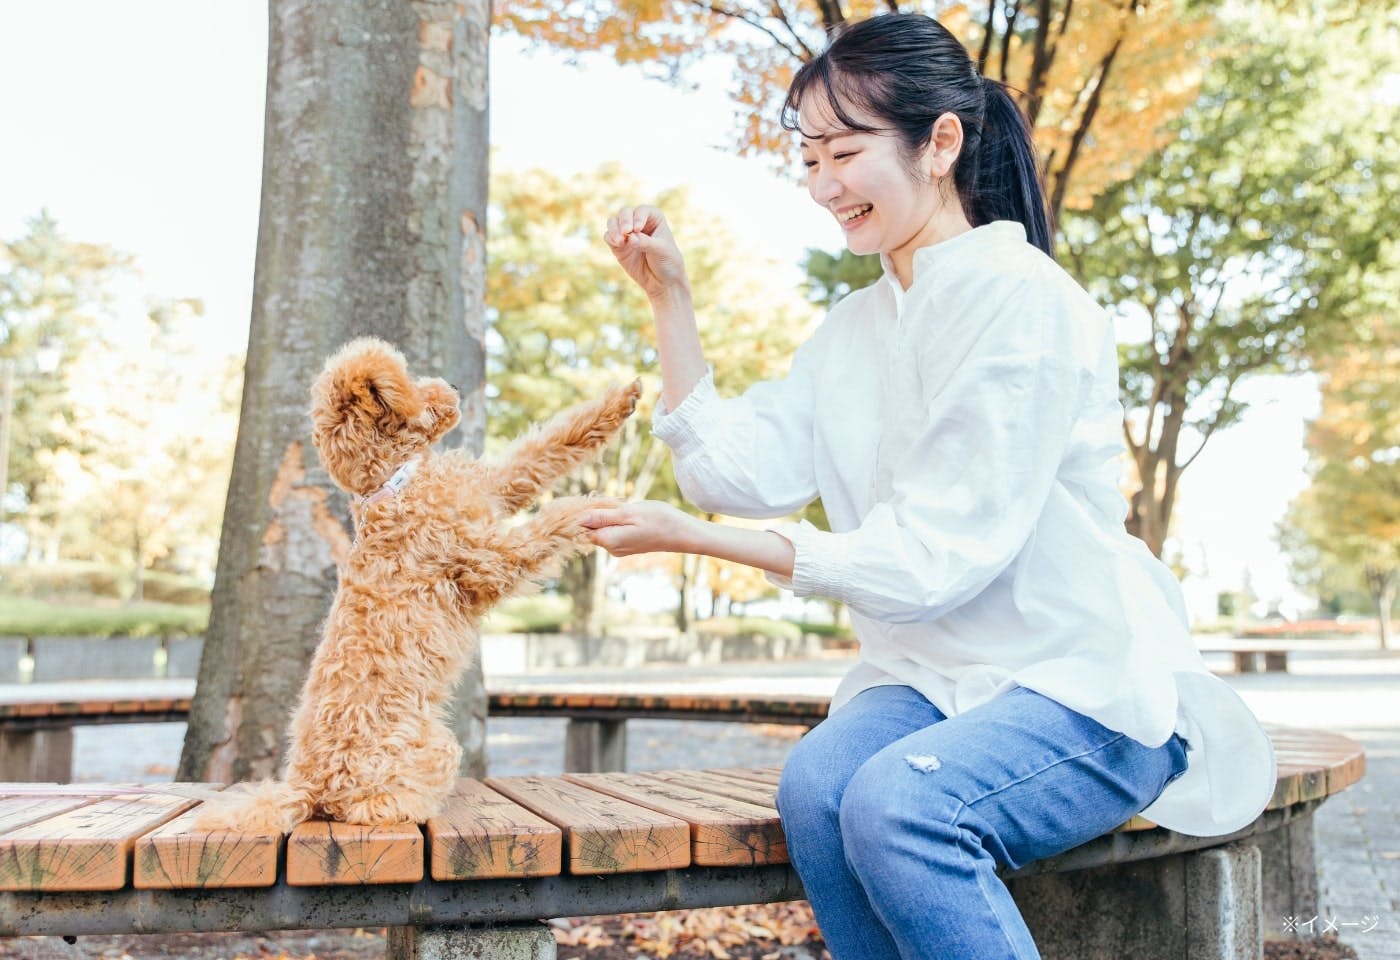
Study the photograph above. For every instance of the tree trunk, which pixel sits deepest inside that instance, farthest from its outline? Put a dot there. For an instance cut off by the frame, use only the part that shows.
(1383, 585)
(685, 607)
(372, 221)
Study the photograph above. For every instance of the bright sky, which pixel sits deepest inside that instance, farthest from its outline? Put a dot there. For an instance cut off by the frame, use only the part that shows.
(139, 125)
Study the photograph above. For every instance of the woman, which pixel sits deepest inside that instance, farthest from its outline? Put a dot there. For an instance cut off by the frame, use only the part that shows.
(1026, 679)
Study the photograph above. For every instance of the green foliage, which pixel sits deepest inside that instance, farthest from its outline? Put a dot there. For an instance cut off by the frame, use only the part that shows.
(29, 617)
(52, 291)
(830, 630)
(1342, 533)
(831, 278)
(566, 323)
(539, 613)
(86, 580)
(748, 627)
(1248, 244)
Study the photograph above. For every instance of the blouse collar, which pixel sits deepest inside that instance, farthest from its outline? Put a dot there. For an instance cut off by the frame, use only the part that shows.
(942, 256)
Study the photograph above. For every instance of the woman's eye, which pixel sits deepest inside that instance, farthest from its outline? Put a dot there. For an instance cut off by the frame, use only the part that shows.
(843, 156)
(809, 164)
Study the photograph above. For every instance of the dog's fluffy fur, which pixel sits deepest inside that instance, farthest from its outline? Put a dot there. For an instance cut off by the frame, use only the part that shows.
(369, 743)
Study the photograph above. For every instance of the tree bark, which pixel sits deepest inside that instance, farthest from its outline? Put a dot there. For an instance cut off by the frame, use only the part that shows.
(372, 222)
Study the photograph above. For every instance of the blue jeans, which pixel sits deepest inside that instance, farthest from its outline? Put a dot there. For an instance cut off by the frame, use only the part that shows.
(897, 816)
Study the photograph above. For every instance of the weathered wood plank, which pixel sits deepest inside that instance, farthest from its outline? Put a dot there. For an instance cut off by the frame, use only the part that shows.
(602, 834)
(87, 848)
(766, 775)
(20, 811)
(174, 856)
(723, 831)
(324, 852)
(480, 833)
(719, 783)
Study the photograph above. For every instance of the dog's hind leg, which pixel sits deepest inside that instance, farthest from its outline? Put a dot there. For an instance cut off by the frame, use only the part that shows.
(542, 456)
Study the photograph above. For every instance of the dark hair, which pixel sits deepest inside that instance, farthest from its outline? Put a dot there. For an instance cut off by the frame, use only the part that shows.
(907, 70)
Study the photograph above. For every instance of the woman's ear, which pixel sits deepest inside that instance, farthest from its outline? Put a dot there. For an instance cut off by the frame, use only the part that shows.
(944, 146)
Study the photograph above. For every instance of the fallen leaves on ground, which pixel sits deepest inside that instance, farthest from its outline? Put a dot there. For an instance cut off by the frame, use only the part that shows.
(754, 932)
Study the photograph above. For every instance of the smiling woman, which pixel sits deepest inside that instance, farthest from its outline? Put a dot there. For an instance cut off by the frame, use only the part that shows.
(1027, 680)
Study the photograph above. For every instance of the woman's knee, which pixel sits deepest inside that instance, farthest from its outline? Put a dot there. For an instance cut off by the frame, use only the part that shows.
(890, 804)
(808, 790)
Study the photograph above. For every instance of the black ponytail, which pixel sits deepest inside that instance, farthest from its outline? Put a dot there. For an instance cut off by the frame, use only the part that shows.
(907, 70)
(1005, 182)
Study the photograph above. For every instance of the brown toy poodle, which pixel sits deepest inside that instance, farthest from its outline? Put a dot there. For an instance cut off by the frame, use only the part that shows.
(369, 741)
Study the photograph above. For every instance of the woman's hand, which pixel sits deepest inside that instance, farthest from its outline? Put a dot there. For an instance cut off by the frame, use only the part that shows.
(641, 240)
(645, 526)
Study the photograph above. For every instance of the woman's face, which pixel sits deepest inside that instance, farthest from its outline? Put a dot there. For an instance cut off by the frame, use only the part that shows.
(865, 182)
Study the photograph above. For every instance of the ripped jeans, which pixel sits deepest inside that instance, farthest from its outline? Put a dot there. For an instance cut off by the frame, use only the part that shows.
(897, 817)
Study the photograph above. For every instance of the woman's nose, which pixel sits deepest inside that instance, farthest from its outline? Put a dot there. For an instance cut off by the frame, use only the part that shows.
(823, 187)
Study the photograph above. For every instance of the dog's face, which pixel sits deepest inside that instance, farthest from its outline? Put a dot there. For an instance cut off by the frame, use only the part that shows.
(368, 416)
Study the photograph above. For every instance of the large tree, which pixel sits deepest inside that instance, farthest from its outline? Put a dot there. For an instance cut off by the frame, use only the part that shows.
(1099, 78)
(372, 222)
(53, 291)
(1343, 531)
(1244, 246)
(567, 322)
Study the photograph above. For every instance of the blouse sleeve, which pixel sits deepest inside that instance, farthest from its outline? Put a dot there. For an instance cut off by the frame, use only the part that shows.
(751, 455)
(966, 493)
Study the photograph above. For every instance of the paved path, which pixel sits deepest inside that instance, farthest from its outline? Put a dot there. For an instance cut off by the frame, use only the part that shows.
(1355, 692)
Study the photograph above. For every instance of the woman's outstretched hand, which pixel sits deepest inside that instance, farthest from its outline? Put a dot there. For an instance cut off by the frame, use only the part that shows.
(645, 526)
(641, 240)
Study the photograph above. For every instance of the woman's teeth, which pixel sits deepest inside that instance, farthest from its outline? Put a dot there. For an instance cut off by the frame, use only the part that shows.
(850, 215)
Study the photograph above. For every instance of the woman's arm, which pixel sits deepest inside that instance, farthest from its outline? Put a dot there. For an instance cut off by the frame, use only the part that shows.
(641, 240)
(652, 526)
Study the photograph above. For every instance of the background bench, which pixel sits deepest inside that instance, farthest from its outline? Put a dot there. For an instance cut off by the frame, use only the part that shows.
(517, 850)
(36, 736)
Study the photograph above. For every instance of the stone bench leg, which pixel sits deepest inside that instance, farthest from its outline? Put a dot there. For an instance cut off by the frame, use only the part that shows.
(531, 941)
(1246, 661)
(1199, 906)
(1276, 661)
(595, 746)
(37, 756)
(1289, 856)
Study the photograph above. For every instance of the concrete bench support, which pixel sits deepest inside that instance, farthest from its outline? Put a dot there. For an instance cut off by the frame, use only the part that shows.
(1290, 876)
(1203, 905)
(526, 941)
(37, 756)
(595, 746)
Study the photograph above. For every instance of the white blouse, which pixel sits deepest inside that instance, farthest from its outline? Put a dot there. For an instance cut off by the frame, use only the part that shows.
(965, 438)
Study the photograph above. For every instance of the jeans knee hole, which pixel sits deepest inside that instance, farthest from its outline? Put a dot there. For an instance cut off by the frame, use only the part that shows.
(923, 762)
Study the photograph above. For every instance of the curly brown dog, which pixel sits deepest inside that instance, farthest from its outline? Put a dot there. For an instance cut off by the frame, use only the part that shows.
(369, 741)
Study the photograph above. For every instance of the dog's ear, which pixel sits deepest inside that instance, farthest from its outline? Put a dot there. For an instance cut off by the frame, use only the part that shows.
(440, 407)
(370, 376)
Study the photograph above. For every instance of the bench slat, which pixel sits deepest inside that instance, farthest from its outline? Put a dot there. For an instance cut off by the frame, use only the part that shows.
(603, 834)
(16, 812)
(765, 775)
(724, 832)
(321, 852)
(719, 782)
(482, 834)
(174, 857)
(88, 848)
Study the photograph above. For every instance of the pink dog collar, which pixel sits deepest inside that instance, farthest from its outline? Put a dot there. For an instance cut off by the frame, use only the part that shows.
(394, 484)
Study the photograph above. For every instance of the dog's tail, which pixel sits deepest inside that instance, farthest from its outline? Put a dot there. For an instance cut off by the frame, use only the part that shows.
(269, 807)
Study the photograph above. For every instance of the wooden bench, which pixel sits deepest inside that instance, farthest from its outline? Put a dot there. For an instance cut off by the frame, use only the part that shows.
(511, 852)
(1252, 656)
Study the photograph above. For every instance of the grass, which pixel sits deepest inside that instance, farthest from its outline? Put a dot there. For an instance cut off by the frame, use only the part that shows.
(29, 617)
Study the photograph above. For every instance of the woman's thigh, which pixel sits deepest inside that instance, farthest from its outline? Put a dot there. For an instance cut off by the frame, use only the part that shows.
(1027, 776)
(823, 761)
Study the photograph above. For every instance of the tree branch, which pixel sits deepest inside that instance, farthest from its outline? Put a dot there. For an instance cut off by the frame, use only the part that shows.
(745, 17)
(987, 33)
(1057, 197)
